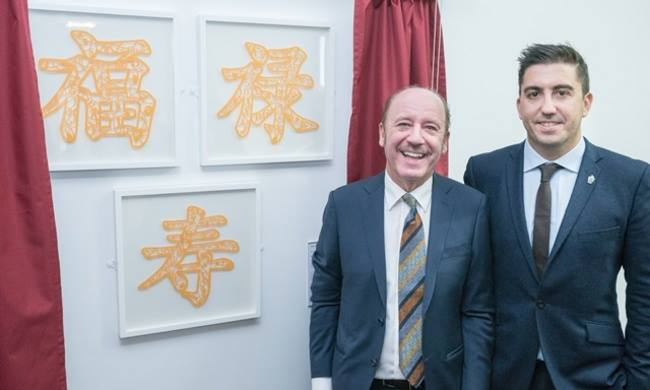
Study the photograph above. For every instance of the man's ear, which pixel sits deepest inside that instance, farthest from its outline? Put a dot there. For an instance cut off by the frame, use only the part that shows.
(518, 107)
(382, 137)
(586, 103)
(445, 143)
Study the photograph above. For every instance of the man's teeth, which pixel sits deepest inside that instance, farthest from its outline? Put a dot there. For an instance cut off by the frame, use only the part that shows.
(413, 155)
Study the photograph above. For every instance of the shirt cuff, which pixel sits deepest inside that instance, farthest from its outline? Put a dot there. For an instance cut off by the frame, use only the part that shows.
(321, 383)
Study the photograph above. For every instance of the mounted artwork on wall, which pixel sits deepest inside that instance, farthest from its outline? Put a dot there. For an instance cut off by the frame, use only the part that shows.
(106, 82)
(266, 91)
(187, 256)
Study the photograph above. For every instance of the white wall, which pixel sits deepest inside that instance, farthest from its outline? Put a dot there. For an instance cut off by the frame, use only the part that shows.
(482, 40)
(267, 353)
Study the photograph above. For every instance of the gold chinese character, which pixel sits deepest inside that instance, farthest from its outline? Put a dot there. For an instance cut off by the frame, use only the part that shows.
(117, 106)
(279, 90)
(196, 238)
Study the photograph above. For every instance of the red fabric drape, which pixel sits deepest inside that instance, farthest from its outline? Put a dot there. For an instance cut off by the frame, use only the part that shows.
(31, 324)
(397, 43)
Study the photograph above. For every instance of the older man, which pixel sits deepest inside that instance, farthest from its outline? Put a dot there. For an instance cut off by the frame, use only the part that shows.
(402, 289)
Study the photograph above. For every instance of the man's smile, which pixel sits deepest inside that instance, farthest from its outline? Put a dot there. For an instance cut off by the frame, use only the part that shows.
(413, 154)
(548, 123)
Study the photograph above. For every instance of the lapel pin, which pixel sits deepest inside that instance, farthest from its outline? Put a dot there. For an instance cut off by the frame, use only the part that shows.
(591, 179)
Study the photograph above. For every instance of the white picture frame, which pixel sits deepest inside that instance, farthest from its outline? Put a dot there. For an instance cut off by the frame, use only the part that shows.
(162, 238)
(116, 70)
(243, 48)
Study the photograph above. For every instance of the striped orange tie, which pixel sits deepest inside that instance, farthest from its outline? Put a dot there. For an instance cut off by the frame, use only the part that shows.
(412, 258)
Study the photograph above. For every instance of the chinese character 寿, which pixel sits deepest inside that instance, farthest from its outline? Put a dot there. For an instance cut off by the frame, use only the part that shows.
(196, 238)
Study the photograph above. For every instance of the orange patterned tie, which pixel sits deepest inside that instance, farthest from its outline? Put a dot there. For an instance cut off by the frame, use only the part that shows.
(412, 258)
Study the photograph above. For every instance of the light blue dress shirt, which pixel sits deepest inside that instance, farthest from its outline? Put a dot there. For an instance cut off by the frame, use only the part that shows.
(562, 184)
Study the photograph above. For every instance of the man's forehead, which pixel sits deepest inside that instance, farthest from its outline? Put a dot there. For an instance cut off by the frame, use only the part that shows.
(414, 100)
(549, 72)
(426, 114)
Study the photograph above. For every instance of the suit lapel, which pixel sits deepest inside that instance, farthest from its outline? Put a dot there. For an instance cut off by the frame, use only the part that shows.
(581, 193)
(515, 189)
(439, 221)
(373, 219)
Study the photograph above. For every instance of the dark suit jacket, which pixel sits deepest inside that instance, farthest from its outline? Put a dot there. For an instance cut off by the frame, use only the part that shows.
(349, 288)
(572, 310)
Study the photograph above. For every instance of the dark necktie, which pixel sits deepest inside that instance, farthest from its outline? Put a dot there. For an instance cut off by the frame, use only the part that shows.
(542, 222)
(412, 258)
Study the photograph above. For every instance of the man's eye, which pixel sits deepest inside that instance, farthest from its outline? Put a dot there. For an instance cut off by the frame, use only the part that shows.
(564, 92)
(532, 94)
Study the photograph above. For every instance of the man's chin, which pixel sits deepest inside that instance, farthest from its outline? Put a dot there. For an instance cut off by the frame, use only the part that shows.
(414, 178)
(550, 142)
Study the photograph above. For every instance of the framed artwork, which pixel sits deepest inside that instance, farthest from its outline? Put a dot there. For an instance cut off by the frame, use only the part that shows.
(106, 82)
(267, 91)
(187, 256)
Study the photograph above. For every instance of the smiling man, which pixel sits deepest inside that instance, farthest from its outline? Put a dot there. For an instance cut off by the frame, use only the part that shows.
(565, 216)
(402, 288)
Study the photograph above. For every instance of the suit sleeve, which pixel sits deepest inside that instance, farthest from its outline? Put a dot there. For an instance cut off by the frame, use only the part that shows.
(478, 309)
(636, 264)
(325, 294)
(468, 177)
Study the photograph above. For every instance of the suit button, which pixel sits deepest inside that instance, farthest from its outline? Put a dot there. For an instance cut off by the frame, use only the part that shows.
(381, 321)
(373, 362)
(540, 304)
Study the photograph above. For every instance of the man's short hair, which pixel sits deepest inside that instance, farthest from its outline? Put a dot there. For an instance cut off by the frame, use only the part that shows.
(389, 101)
(554, 54)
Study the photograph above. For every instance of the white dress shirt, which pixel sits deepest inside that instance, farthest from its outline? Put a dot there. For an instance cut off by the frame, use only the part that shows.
(562, 183)
(395, 212)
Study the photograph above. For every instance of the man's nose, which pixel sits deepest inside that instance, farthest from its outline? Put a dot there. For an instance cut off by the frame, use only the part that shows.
(548, 105)
(415, 136)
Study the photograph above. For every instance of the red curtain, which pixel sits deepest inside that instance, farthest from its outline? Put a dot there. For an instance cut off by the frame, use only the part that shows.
(397, 43)
(31, 326)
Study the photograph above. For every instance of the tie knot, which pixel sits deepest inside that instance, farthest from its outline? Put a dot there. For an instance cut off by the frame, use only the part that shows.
(410, 200)
(548, 170)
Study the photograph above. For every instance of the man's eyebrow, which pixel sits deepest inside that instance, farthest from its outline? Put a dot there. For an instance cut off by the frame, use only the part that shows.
(555, 87)
(531, 88)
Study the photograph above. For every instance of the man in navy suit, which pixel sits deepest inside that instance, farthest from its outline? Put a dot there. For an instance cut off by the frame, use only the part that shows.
(565, 216)
(360, 306)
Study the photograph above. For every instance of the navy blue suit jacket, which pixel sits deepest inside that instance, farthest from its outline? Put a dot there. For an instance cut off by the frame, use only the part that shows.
(572, 310)
(349, 288)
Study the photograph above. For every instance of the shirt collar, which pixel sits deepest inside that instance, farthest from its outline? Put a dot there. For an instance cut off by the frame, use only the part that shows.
(569, 161)
(394, 193)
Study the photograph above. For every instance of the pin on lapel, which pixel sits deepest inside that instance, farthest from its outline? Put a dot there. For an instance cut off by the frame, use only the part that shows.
(591, 179)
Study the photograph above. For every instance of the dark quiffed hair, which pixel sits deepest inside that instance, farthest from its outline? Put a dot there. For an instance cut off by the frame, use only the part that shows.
(553, 54)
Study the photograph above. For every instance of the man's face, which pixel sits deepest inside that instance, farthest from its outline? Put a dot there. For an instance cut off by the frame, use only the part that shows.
(551, 107)
(413, 136)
